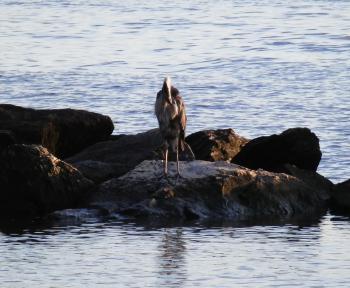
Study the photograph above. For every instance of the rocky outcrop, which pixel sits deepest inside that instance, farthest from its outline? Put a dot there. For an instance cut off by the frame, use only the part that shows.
(216, 145)
(340, 196)
(311, 178)
(63, 131)
(33, 182)
(119, 156)
(6, 138)
(207, 190)
(100, 171)
(296, 146)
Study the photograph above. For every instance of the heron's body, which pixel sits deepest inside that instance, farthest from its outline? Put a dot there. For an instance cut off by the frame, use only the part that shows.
(171, 115)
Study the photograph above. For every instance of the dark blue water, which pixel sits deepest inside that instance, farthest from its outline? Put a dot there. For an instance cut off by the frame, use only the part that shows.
(256, 66)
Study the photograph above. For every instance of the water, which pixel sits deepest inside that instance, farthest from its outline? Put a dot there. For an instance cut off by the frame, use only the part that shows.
(256, 66)
(128, 255)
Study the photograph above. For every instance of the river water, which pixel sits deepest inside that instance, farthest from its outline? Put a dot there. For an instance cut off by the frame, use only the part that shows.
(258, 67)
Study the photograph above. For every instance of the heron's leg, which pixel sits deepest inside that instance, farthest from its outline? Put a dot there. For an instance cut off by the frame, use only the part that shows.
(177, 161)
(166, 160)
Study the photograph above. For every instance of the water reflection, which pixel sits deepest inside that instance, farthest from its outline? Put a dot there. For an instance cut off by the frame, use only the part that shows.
(171, 260)
(215, 254)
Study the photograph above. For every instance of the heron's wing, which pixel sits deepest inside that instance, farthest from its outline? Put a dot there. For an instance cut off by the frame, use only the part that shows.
(157, 105)
(182, 118)
(181, 113)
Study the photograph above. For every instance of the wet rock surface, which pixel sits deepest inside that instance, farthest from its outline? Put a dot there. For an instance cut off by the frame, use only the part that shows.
(296, 146)
(207, 190)
(216, 145)
(63, 131)
(34, 182)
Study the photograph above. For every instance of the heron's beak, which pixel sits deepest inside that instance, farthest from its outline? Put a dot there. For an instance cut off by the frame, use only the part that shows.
(169, 98)
(167, 90)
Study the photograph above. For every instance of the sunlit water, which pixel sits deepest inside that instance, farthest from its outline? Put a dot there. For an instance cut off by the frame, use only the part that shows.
(257, 66)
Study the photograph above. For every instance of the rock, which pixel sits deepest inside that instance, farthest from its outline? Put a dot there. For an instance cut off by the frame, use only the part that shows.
(216, 145)
(296, 146)
(207, 190)
(340, 196)
(74, 216)
(6, 138)
(99, 171)
(122, 155)
(63, 131)
(312, 178)
(33, 182)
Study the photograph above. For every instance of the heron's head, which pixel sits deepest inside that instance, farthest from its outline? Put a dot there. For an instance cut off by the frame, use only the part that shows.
(167, 89)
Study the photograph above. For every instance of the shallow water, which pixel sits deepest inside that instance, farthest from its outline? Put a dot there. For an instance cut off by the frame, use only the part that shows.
(257, 66)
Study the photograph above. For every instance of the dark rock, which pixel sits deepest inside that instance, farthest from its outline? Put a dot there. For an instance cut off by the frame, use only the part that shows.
(123, 154)
(63, 131)
(207, 190)
(6, 138)
(340, 196)
(296, 146)
(34, 182)
(313, 179)
(215, 145)
(99, 171)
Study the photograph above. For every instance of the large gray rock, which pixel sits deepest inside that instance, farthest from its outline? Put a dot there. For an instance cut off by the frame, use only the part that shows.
(340, 196)
(117, 157)
(207, 190)
(216, 145)
(296, 146)
(33, 182)
(63, 131)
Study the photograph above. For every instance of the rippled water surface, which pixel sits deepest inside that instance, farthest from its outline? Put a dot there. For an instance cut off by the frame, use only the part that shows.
(127, 255)
(257, 66)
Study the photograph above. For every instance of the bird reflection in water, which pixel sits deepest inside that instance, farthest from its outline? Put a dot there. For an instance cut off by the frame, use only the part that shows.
(172, 262)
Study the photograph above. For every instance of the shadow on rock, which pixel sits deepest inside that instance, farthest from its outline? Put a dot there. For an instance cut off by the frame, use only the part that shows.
(114, 158)
(296, 146)
(34, 182)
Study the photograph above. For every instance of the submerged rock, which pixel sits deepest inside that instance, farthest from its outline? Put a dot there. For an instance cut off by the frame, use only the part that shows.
(207, 190)
(117, 157)
(216, 145)
(63, 131)
(33, 182)
(340, 196)
(296, 146)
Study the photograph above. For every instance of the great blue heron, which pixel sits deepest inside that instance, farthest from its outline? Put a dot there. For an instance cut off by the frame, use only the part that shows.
(171, 115)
